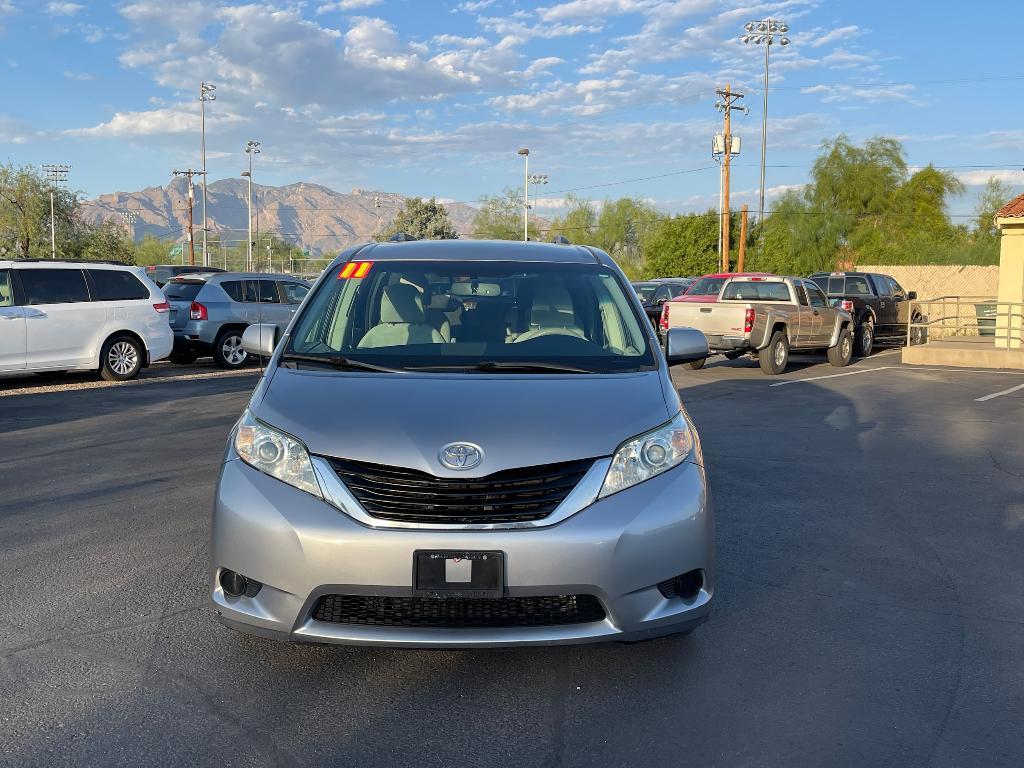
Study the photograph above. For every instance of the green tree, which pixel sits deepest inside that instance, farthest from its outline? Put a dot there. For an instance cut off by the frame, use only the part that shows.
(423, 219)
(683, 245)
(995, 195)
(501, 218)
(106, 241)
(25, 212)
(621, 228)
(578, 224)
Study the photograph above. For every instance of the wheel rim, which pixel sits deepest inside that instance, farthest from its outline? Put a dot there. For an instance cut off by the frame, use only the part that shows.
(845, 347)
(866, 339)
(232, 350)
(780, 353)
(123, 358)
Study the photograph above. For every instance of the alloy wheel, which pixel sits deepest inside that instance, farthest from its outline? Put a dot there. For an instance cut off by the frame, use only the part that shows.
(232, 350)
(123, 358)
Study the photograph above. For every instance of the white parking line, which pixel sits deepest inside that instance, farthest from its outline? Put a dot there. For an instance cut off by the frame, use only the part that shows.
(909, 369)
(998, 394)
(830, 376)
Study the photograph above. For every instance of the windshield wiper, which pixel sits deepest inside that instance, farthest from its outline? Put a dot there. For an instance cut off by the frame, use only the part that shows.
(488, 366)
(337, 361)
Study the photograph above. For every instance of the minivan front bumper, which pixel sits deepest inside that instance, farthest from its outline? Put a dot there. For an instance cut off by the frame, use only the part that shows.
(618, 549)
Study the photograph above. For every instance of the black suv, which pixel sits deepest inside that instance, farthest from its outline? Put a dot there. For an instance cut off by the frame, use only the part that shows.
(654, 293)
(878, 303)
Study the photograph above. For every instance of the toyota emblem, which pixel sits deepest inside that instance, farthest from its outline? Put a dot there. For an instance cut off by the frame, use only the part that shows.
(461, 456)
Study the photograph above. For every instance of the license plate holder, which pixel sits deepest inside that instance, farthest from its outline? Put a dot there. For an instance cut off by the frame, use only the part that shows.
(442, 574)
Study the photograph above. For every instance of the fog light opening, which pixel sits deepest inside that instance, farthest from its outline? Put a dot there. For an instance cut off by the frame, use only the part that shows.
(689, 584)
(235, 584)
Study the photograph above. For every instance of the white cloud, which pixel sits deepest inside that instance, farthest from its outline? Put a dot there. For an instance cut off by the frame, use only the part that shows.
(831, 94)
(460, 42)
(979, 178)
(542, 66)
(843, 59)
(346, 5)
(179, 119)
(818, 37)
(590, 9)
(1004, 139)
(473, 7)
(14, 131)
(63, 9)
(78, 75)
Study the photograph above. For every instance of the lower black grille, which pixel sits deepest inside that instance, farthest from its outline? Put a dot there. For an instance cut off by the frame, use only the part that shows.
(375, 611)
(667, 587)
(395, 493)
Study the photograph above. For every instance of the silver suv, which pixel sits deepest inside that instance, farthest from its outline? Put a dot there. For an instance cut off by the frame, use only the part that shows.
(465, 443)
(209, 312)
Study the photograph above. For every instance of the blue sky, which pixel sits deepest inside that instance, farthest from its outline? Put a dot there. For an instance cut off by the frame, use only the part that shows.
(434, 98)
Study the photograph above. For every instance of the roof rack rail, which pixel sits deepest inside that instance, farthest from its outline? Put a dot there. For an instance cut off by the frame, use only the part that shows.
(561, 240)
(114, 262)
(401, 237)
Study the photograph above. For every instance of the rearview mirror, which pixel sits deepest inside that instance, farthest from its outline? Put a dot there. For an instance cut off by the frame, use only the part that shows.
(912, 295)
(685, 345)
(260, 339)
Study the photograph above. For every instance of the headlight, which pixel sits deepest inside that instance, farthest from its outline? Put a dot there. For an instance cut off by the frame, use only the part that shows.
(276, 454)
(648, 455)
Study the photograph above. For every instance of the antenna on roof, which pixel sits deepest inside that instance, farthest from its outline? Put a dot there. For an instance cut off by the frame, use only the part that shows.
(560, 240)
(401, 237)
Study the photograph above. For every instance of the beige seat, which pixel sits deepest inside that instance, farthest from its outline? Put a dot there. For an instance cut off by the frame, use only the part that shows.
(551, 314)
(5, 293)
(402, 320)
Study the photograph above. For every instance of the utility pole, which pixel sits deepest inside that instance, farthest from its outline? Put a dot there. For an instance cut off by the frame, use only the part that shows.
(728, 99)
(205, 94)
(525, 152)
(56, 173)
(191, 199)
(252, 147)
(743, 239)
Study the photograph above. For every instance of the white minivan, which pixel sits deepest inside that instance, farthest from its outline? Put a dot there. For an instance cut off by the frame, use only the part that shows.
(80, 316)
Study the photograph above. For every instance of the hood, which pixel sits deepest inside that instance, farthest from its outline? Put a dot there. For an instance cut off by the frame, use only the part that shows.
(405, 419)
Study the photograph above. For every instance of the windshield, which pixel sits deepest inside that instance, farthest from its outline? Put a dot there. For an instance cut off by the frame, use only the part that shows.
(474, 316)
(646, 291)
(706, 286)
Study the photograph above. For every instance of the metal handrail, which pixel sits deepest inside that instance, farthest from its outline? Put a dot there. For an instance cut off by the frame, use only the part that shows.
(1011, 330)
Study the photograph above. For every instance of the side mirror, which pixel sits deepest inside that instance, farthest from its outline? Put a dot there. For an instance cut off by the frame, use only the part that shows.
(659, 302)
(685, 345)
(912, 295)
(260, 339)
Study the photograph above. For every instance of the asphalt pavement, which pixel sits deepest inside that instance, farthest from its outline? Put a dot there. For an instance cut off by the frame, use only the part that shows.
(869, 610)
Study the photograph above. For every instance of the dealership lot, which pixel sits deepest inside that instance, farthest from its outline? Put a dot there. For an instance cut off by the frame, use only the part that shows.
(869, 608)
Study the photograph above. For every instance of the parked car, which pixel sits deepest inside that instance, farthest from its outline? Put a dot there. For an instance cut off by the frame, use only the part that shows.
(209, 312)
(80, 316)
(654, 293)
(703, 290)
(768, 317)
(387, 486)
(878, 303)
(161, 273)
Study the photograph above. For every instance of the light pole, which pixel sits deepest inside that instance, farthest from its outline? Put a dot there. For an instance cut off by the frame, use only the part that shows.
(525, 152)
(252, 147)
(129, 218)
(55, 173)
(763, 32)
(205, 94)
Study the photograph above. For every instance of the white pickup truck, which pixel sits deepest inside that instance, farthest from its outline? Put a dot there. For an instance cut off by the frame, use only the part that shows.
(767, 318)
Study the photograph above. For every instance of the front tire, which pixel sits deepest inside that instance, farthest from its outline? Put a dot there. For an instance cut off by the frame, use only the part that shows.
(865, 338)
(842, 352)
(775, 357)
(121, 358)
(227, 349)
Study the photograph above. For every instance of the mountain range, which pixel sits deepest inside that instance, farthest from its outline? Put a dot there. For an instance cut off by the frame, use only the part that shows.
(309, 215)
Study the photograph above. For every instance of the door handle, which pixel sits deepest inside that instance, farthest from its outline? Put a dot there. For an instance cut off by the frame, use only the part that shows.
(816, 313)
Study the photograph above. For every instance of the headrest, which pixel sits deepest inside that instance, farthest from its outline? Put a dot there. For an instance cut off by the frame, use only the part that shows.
(443, 302)
(401, 303)
(552, 306)
(5, 291)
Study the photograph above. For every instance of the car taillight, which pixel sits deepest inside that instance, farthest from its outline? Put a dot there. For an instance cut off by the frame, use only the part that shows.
(197, 311)
(748, 321)
(664, 316)
(163, 306)
(847, 305)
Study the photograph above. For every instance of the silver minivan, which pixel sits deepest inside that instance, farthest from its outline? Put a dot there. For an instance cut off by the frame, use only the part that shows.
(465, 443)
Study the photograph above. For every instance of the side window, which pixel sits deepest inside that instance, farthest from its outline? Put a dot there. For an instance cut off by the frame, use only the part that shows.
(6, 289)
(54, 286)
(116, 285)
(294, 292)
(816, 297)
(677, 289)
(882, 283)
(233, 288)
(898, 293)
(662, 294)
(801, 295)
(267, 292)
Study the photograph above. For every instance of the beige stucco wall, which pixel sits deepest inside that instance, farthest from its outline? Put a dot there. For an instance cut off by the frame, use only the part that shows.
(931, 281)
(1011, 283)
